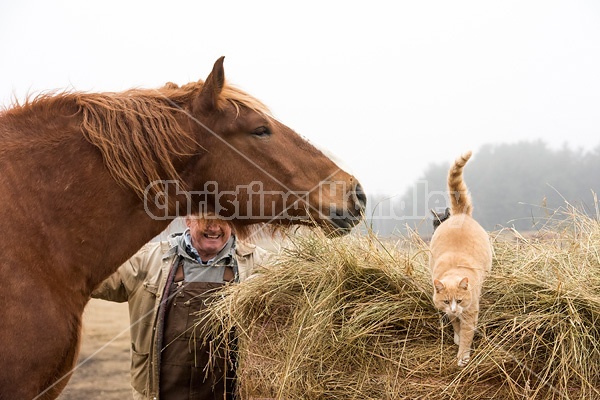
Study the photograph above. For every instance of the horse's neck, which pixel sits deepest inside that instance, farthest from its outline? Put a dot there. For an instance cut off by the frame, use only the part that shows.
(64, 215)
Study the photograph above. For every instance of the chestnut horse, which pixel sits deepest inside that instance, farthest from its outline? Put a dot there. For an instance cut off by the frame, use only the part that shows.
(87, 179)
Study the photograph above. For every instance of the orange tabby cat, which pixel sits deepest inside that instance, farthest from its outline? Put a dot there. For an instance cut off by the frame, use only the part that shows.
(461, 255)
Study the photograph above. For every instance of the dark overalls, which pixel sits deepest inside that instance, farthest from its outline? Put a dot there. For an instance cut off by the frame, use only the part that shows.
(188, 369)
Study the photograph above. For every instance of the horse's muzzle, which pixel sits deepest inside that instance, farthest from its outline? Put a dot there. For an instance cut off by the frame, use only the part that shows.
(345, 218)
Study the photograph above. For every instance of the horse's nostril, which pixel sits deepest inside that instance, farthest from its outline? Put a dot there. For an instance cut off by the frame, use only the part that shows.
(360, 195)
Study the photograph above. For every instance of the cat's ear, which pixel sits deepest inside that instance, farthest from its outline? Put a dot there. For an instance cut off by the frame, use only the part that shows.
(439, 286)
(464, 284)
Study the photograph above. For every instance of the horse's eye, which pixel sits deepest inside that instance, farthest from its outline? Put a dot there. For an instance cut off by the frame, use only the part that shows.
(261, 131)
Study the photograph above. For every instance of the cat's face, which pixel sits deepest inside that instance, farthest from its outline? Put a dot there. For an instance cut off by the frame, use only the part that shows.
(452, 297)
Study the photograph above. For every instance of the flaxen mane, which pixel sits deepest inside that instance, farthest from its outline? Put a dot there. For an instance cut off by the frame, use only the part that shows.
(153, 137)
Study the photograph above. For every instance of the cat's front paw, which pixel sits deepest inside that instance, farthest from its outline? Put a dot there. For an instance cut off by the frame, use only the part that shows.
(456, 339)
(464, 360)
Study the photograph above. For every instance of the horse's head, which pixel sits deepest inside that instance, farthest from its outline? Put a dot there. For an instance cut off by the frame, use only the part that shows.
(254, 169)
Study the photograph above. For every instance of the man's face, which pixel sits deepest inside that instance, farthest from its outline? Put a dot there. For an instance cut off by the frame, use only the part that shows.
(209, 235)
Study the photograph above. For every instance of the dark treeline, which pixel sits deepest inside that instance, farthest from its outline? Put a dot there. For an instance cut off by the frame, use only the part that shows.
(512, 185)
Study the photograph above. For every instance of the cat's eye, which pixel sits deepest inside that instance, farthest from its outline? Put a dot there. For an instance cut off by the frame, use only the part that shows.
(458, 301)
(447, 301)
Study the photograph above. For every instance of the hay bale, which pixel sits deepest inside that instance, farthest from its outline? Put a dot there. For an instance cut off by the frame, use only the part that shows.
(352, 318)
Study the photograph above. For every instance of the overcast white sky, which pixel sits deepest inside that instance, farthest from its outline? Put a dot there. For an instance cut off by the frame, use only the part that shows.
(389, 87)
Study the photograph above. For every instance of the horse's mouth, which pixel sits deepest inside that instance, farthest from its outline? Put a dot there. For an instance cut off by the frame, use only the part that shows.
(343, 222)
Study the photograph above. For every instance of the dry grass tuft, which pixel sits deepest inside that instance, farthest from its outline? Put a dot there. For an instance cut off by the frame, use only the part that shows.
(352, 318)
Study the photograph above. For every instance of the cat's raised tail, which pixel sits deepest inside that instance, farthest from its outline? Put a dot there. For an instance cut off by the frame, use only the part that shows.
(460, 199)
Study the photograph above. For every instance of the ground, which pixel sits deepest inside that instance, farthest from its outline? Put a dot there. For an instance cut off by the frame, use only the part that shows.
(103, 367)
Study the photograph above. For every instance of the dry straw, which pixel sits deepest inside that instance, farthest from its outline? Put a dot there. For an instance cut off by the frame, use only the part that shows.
(352, 318)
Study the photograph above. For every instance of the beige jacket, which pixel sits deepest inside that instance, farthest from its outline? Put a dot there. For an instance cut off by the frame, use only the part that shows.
(141, 281)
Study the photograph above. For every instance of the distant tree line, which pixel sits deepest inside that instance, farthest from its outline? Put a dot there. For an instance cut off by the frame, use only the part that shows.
(512, 185)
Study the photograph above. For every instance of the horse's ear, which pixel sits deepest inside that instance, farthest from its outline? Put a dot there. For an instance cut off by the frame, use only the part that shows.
(211, 90)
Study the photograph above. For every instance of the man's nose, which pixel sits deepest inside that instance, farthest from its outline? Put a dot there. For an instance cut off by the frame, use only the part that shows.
(212, 226)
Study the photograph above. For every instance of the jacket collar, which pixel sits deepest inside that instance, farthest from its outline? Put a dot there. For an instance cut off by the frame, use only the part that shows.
(241, 248)
(180, 244)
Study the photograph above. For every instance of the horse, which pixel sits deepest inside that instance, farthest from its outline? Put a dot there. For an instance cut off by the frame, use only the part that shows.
(88, 178)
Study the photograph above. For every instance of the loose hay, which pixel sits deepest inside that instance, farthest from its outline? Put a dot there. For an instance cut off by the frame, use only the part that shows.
(352, 318)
